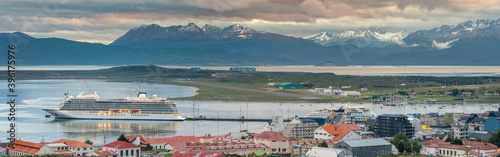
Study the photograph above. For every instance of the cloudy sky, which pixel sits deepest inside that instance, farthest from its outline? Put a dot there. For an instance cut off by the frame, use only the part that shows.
(102, 21)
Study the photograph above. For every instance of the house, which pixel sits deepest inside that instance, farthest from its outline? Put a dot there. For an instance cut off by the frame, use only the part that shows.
(289, 85)
(274, 140)
(437, 147)
(138, 140)
(59, 147)
(466, 93)
(330, 152)
(25, 148)
(258, 154)
(76, 148)
(300, 128)
(338, 132)
(242, 148)
(122, 149)
(364, 89)
(428, 93)
(389, 125)
(448, 93)
(366, 147)
(413, 94)
(479, 136)
(308, 144)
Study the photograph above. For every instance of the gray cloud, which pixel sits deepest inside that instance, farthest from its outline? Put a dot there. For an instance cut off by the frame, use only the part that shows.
(292, 17)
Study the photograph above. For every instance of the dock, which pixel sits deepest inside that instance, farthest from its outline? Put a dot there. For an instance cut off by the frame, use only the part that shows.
(191, 118)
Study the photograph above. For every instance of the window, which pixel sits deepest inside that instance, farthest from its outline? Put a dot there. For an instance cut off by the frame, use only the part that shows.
(78, 149)
(85, 148)
(132, 152)
(121, 152)
(126, 152)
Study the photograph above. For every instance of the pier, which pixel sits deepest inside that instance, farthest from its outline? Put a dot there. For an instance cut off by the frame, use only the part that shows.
(190, 118)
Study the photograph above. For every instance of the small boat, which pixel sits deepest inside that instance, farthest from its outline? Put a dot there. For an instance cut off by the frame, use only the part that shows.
(440, 108)
(134, 110)
(114, 110)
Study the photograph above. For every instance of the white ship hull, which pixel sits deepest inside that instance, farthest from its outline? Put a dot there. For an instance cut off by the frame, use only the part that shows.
(119, 116)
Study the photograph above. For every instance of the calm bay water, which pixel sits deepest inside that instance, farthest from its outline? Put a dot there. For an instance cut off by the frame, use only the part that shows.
(36, 94)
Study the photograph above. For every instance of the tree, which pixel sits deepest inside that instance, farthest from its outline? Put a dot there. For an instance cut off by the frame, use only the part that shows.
(323, 144)
(123, 138)
(454, 92)
(457, 142)
(89, 142)
(408, 148)
(448, 139)
(400, 141)
(243, 137)
(415, 147)
(495, 138)
(477, 128)
(370, 128)
(449, 119)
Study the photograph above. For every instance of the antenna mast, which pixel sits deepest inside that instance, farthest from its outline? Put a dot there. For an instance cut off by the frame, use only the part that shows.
(136, 91)
(86, 86)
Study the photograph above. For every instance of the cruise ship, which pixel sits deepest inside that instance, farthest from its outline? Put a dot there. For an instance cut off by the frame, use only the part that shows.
(138, 107)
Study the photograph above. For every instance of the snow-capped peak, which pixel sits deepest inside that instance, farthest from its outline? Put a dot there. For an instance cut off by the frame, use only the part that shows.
(366, 38)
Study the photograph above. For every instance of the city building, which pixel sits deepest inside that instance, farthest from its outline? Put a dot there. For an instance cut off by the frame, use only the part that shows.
(122, 149)
(289, 85)
(274, 140)
(300, 128)
(389, 125)
(276, 125)
(433, 119)
(366, 147)
(437, 147)
(338, 132)
(479, 136)
(459, 132)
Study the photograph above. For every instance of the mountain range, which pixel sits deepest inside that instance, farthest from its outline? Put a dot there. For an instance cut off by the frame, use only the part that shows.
(468, 43)
(359, 38)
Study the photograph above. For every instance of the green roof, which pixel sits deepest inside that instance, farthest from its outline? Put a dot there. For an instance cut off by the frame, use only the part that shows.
(259, 153)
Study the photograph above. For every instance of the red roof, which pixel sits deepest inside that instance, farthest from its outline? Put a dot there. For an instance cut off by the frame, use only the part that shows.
(197, 154)
(471, 144)
(62, 152)
(133, 137)
(268, 135)
(340, 131)
(105, 153)
(120, 145)
(25, 146)
(174, 139)
(72, 143)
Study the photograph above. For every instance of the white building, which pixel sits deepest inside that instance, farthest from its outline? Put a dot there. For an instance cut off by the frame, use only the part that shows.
(338, 132)
(327, 152)
(122, 149)
(276, 125)
(440, 148)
